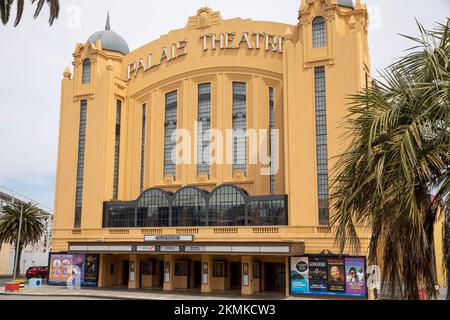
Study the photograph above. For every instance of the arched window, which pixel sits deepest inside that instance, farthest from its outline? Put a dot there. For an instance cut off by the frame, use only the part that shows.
(153, 209)
(189, 208)
(227, 207)
(319, 32)
(86, 76)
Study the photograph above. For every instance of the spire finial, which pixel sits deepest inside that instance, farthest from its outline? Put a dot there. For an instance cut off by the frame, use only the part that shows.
(108, 23)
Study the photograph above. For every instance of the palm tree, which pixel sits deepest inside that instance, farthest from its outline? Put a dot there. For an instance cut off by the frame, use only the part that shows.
(398, 155)
(5, 10)
(32, 228)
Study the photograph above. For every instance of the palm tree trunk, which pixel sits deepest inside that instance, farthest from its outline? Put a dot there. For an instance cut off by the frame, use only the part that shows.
(19, 256)
(446, 250)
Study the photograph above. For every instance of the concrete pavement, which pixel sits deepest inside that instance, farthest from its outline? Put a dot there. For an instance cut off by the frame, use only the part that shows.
(53, 292)
(125, 294)
(31, 298)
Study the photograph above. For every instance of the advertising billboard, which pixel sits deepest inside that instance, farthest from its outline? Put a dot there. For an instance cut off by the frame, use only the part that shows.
(355, 277)
(63, 266)
(327, 275)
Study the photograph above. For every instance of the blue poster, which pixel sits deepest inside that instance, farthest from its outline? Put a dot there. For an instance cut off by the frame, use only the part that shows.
(318, 274)
(63, 266)
(299, 275)
(328, 275)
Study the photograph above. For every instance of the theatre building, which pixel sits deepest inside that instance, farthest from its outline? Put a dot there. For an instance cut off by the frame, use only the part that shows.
(217, 219)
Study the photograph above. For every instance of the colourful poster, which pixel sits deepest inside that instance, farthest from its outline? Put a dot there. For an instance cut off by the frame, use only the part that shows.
(328, 275)
(318, 274)
(91, 269)
(355, 276)
(78, 261)
(336, 275)
(299, 275)
(62, 267)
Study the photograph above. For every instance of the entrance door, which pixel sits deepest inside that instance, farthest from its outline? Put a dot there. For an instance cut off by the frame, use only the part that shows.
(281, 271)
(275, 276)
(236, 275)
(125, 272)
(197, 274)
(161, 273)
(269, 275)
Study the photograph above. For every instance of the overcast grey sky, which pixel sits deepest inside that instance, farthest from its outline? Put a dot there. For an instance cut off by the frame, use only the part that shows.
(33, 58)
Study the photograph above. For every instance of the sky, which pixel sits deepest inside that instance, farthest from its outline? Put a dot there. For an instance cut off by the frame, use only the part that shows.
(33, 57)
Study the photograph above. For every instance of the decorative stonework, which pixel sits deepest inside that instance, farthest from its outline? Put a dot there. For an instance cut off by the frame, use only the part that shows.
(239, 176)
(203, 177)
(169, 180)
(67, 74)
(109, 65)
(205, 18)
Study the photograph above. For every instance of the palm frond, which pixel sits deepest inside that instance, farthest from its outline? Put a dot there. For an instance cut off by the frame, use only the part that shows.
(5, 10)
(399, 152)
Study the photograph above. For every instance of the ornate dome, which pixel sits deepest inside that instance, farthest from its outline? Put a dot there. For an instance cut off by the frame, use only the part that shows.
(110, 40)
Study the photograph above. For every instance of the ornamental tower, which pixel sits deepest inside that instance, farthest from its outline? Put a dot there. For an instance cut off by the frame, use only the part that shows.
(90, 120)
(326, 58)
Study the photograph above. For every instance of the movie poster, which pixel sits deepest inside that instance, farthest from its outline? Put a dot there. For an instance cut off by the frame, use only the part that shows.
(336, 275)
(355, 276)
(78, 262)
(62, 267)
(91, 269)
(299, 275)
(318, 274)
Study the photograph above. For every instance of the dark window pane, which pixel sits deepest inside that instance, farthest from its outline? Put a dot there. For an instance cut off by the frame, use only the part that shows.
(239, 127)
(319, 32)
(272, 139)
(204, 125)
(170, 128)
(143, 140)
(321, 144)
(80, 165)
(86, 72)
(117, 150)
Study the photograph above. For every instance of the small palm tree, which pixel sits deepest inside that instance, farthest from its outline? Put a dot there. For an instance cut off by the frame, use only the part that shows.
(32, 227)
(399, 154)
(5, 10)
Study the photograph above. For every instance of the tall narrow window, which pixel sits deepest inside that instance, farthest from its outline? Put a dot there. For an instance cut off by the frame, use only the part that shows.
(321, 144)
(239, 127)
(319, 32)
(143, 140)
(80, 165)
(86, 74)
(117, 150)
(170, 127)
(272, 139)
(204, 126)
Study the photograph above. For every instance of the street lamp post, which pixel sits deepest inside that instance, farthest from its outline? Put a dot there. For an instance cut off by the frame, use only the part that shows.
(18, 243)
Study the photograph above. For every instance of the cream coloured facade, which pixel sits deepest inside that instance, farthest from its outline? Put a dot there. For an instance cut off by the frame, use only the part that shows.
(4, 260)
(113, 140)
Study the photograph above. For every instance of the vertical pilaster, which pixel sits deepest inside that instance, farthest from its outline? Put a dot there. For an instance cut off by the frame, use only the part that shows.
(247, 276)
(287, 273)
(206, 274)
(169, 273)
(133, 282)
(102, 271)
